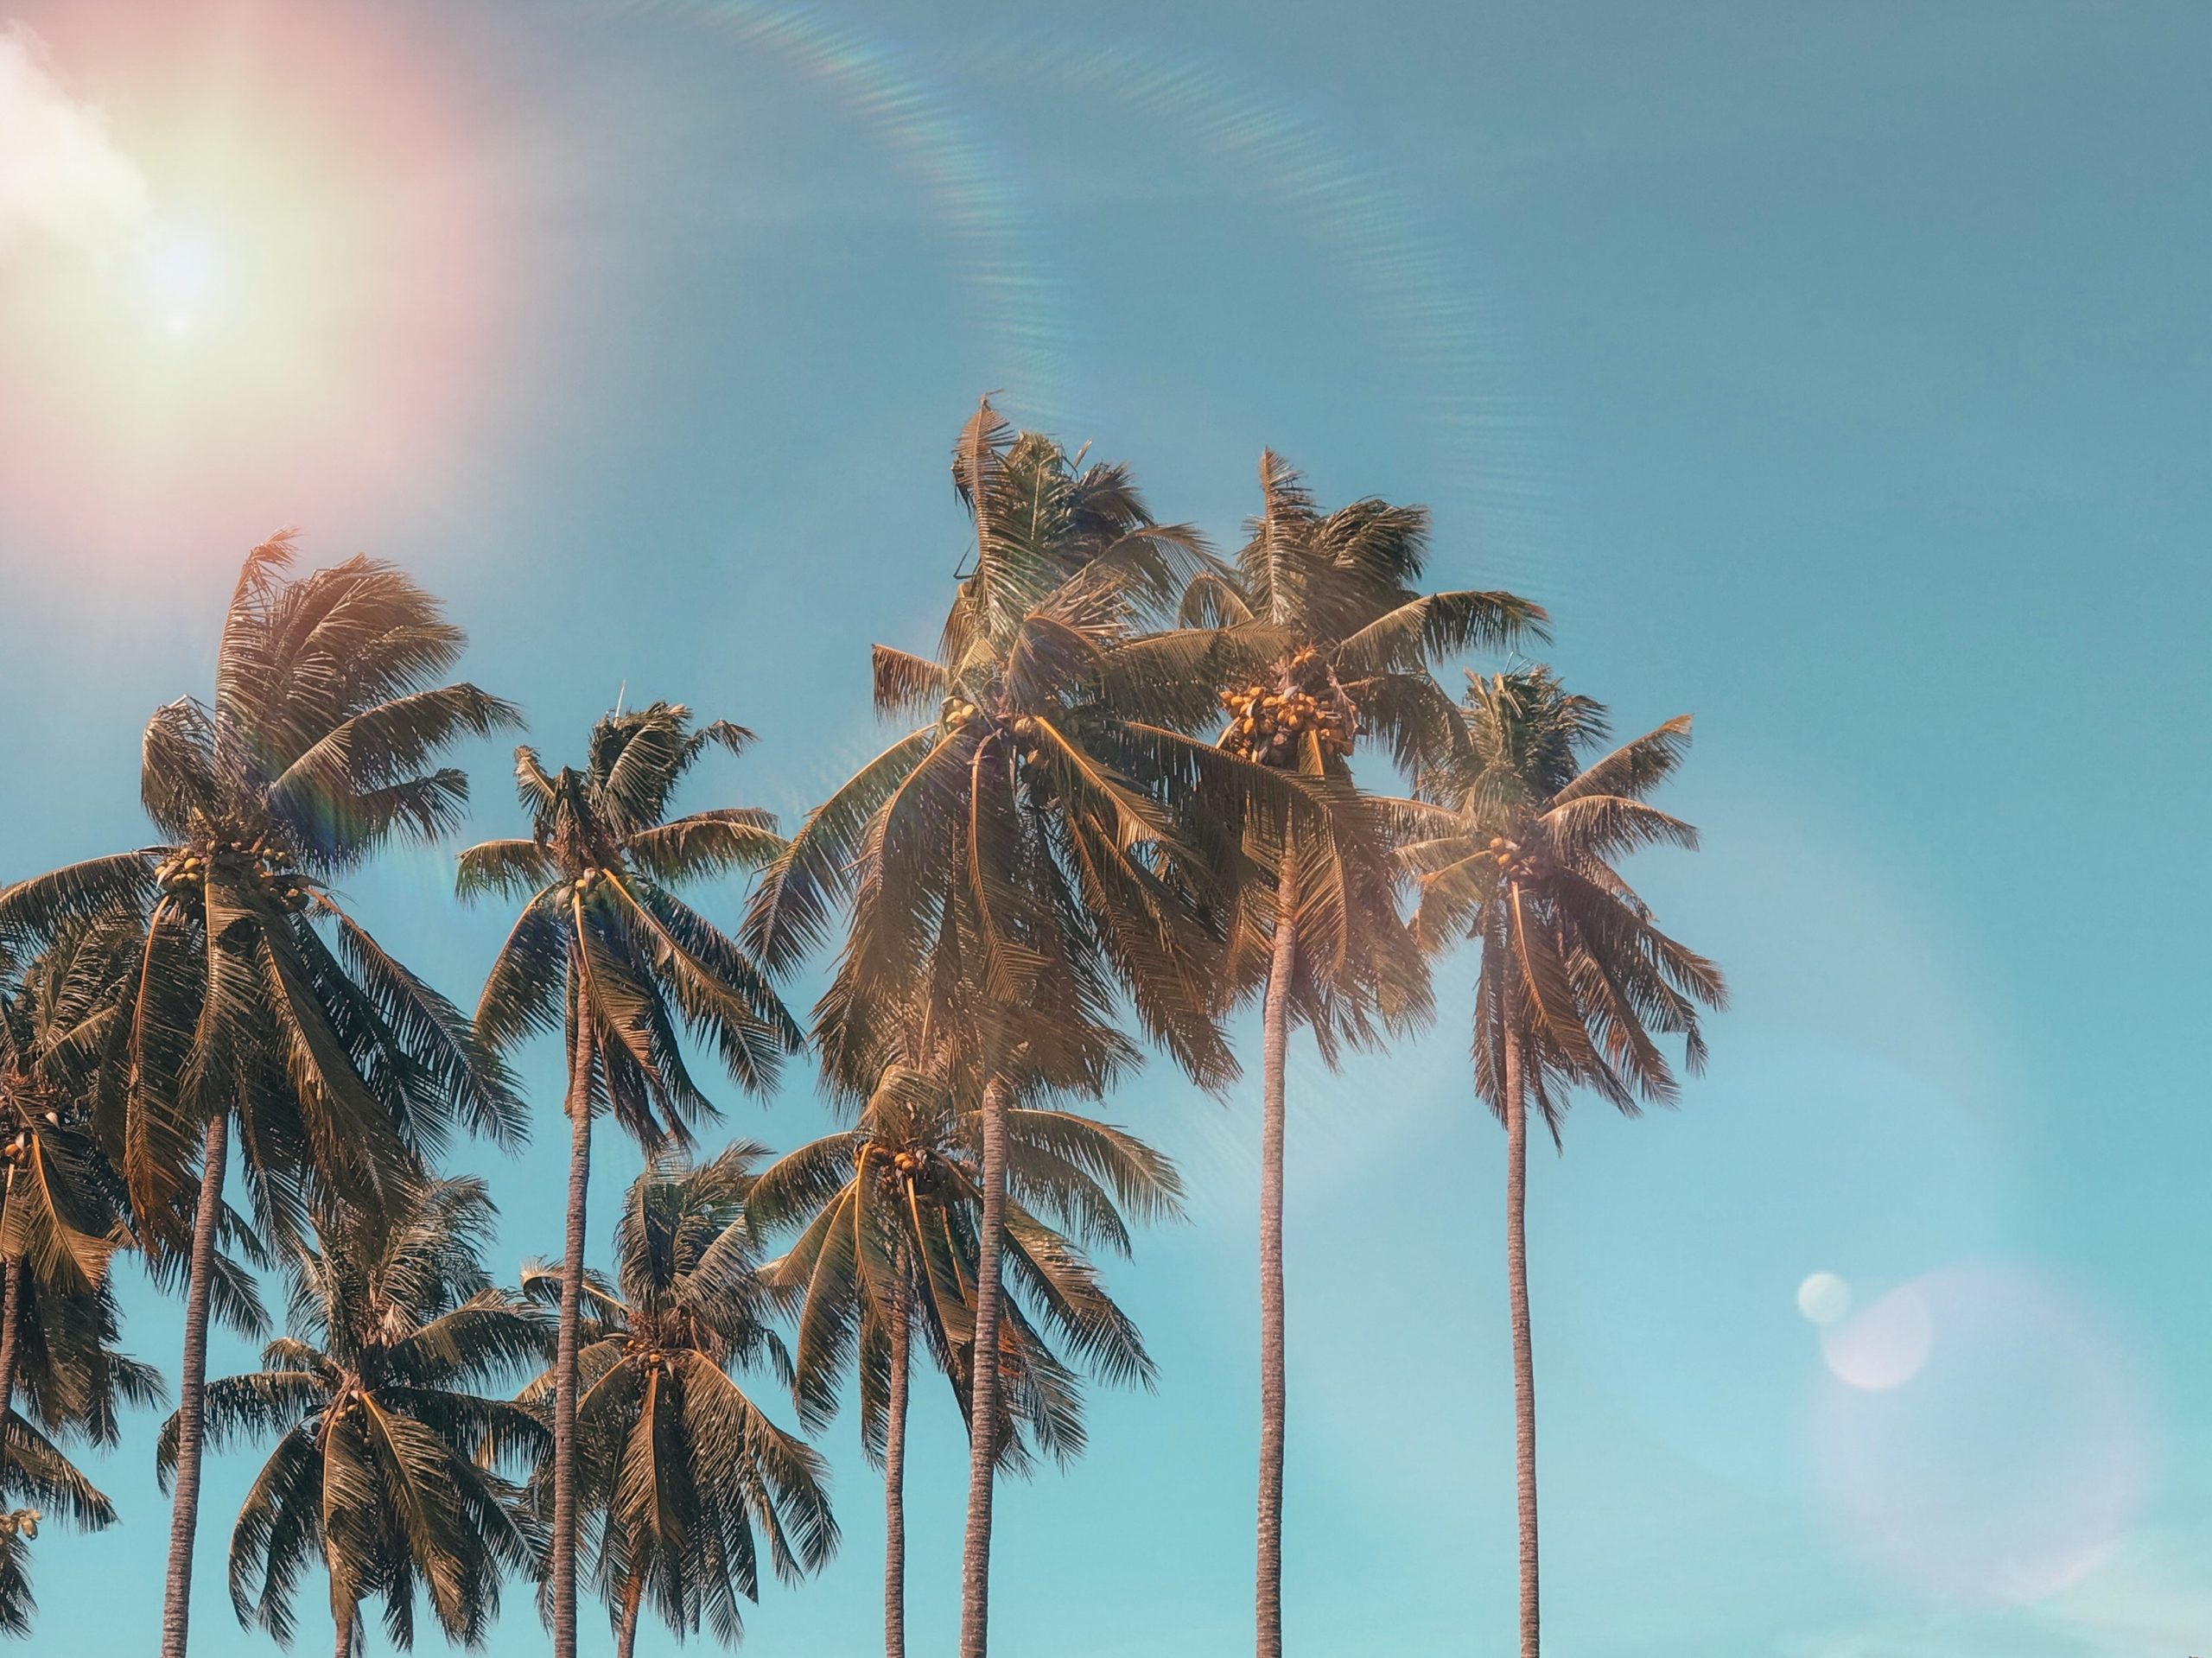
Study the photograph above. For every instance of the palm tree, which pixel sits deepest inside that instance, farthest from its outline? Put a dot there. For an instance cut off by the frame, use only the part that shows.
(387, 1462)
(1516, 850)
(61, 1207)
(60, 1218)
(33, 1468)
(683, 1475)
(1026, 861)
(18, 1527)
(605, 949)
(1329, 602)
(886, 1215)
(256, 1004)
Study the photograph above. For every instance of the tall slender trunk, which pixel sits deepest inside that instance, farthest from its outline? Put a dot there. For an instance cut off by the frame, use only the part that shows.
(1524, 1362)
(1273, 1050)
(191, 1388)
(625, 1633)
(12, 1286)
(563, 1564)
(348, 1617)
(983, 1407)
(895, 1486)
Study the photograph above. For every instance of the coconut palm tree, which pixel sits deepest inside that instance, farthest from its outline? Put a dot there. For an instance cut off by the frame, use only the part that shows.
(18, 1528)
(685, 1478)
(34, 1467)
(67, 1382)
(61, 1207)
(886, 1215)
(1025, 865)
(606, 949)
(388, 1451)
(258, 1006)
(1516, 847)
(1340, 643)
(60, 1218)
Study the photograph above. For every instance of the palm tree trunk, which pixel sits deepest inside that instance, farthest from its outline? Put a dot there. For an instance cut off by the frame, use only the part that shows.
(626, 1635)
(895, 1487)
(12, 1288)
(1275, 1049)
(348, 1617)
(191, 1388)
(1524, 1362)
(983, 1408)
(563, 1563)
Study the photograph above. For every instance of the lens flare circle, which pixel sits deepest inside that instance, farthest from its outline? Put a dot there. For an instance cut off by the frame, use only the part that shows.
(1824, 1299)
(1884, 1346)
(1983, 1433)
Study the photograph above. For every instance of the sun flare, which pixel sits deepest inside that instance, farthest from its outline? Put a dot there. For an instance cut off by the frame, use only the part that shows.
(193, 290)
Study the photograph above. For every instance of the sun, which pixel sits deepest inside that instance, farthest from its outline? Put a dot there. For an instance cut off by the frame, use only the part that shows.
(182, 272)
(236, 291)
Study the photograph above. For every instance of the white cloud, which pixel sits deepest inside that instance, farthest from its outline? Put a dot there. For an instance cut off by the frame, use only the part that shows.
(62, 179)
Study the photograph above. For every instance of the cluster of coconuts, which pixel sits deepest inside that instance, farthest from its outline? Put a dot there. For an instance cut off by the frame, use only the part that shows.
(21, 1522)
(17, 1151)
(960, 712)
(909, 1162)
(266, 861)
(1509, 853)
(587, 880)
(647, 1353)
(1266, 725)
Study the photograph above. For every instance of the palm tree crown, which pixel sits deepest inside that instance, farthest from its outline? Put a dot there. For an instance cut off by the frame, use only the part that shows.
(601, 921)
(1336, 644)
(61, 1216)
(1516, 850)
(888, 1217)
(687, 1481)
(1029, 831)
(337, 1061)
(387, 1464)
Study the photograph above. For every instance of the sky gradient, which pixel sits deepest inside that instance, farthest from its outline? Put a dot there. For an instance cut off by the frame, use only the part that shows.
(1836, 375)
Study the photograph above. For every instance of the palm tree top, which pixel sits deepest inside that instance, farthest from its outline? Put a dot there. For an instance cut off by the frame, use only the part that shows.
(1348, 582)
(252, 991)
(601, 918)
(389, 1441)
(687, 1270)
(1053, 822)
(315, 750)
(686, 1480)
(63, 1210)
(586, 817)
(1513, 843)
(888, 1210)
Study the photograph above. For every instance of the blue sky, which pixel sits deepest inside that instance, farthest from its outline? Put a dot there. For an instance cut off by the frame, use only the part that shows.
(1836, 375)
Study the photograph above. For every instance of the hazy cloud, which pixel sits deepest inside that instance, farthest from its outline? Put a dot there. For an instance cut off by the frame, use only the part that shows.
(63, 180)
(2149, 1600)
